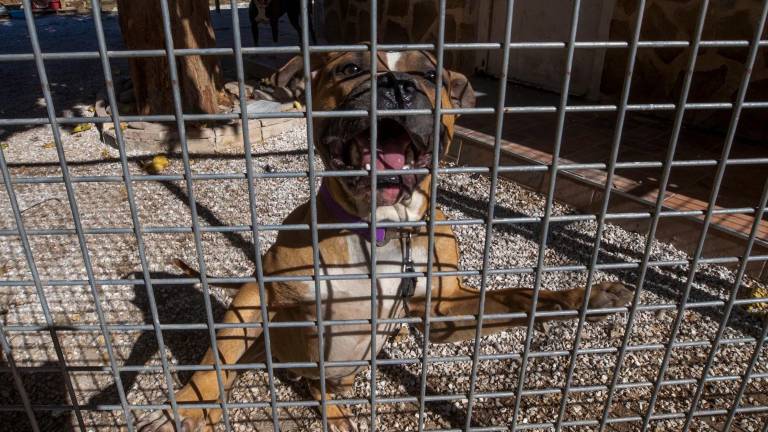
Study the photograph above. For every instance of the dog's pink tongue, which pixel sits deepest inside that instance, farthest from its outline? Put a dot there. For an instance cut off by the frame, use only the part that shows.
(391, 155)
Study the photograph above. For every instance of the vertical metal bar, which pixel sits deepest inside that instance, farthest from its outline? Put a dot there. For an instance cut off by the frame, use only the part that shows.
(755, 225)
(62, 364)
(179, 113)
(135, 220)
(758, 344)
(312, 176)
(374, 120)
(17, 378)
(667, 169)
(254, 219)
(620, 117)
(436, 133)
(549, 204)
(72, 199)
(711, 205)
(500, 103)
(39, 287)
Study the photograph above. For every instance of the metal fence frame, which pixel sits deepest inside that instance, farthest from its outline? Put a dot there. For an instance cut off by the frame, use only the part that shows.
(507, 47)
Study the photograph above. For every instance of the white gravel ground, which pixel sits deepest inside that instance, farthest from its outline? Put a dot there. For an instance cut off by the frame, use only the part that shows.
(228, 254)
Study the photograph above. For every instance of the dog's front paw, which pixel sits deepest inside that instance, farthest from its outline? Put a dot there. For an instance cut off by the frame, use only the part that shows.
(342, 425)
(608, 295)
(162, 421)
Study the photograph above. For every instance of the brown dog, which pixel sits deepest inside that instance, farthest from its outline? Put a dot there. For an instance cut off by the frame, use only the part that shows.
(341, 81)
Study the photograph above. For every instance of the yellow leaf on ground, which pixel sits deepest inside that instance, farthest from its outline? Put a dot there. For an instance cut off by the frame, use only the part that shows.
(157, 165)
(82, 127)
(297, 105)
(758, 292)
(4, 145)
(49, 145)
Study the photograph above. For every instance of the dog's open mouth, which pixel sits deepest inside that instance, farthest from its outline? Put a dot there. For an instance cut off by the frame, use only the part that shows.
(396, 149)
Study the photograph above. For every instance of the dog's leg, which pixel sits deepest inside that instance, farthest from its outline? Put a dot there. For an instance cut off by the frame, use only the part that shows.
(252, 13)
(310, 12)
(274, 12)
(293, 9)
(451, 298)
(232, 344)
(340, 419)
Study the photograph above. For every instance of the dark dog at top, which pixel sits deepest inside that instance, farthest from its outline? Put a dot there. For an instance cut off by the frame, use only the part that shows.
(270, 11)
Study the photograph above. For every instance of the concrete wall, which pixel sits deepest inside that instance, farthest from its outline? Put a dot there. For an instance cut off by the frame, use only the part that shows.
(550, 21)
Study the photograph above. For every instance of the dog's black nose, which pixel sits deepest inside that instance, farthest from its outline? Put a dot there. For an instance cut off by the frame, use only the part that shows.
(397, 87)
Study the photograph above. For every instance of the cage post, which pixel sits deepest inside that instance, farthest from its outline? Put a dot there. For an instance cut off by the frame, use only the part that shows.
(711, 203)
(666, 173)
(313, 226)
(703, 236)
(135, 220)
(374, 131)
(490, 210)
(717, 342)
(434, 172)
(549, 204)
(181, 127)
(37, 283)
(72, 200)
(254, 219)
(611, 170)
(755, 225)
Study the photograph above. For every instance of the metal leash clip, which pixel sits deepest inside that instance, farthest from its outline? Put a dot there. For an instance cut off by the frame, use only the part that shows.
(408, 284)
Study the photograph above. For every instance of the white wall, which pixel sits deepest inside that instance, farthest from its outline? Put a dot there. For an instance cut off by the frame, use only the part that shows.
(549, 21)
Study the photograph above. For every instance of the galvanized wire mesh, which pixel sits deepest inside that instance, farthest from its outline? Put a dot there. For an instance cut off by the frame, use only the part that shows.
(506, 49)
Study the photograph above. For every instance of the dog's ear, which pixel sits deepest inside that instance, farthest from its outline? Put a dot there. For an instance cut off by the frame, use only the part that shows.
(290, 78)
(462, 93)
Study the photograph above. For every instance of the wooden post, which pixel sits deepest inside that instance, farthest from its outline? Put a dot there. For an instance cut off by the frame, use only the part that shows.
(200, 78)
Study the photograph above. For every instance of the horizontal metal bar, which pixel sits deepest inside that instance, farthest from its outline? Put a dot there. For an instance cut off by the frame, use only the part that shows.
(360, 225)
(182, 52)
(359, 173)
(399, 275)
(383, 113)
(382, 401)
(631, 419)
(564, 313)
(363, 173)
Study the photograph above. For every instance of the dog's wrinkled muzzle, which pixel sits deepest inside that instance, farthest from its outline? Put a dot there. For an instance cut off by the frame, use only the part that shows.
(402, 142)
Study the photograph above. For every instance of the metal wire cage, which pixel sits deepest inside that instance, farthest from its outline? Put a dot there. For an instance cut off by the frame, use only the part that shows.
(422, 398)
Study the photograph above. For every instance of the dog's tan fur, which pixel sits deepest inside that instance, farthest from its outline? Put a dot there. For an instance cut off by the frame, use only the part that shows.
(344, 252)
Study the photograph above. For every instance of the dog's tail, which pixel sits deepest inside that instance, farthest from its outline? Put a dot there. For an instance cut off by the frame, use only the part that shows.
(231, 287)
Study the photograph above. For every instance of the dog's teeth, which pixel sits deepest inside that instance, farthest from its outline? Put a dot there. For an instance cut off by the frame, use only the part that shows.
(368, 167)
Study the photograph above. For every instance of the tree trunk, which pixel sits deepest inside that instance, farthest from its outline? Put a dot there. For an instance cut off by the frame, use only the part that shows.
(200, 79)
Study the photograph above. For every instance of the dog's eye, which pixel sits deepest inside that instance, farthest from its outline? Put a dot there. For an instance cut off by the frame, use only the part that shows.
(431, 75)
(350, 69)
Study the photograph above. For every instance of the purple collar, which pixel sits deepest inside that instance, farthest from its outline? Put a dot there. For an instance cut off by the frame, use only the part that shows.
(342, 215)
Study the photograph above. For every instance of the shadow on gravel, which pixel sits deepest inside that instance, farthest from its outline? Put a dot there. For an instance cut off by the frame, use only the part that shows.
(561, 234)
(44, 387)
